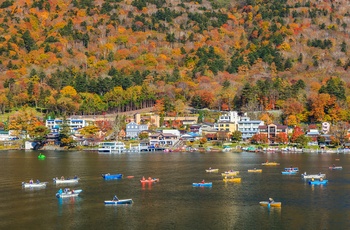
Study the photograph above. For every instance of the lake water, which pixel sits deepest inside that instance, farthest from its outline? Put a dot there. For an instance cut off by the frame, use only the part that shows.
(173, 203)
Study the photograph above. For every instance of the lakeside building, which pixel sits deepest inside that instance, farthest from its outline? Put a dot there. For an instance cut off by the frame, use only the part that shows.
(272, 131)
(133, 129)
(162, 139)
(248, 128)
(55, 125)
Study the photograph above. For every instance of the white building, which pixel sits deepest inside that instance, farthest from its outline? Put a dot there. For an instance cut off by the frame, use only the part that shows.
(230, 116)
(55, 125)
(172, 131)
(133, 129)
(248, 128)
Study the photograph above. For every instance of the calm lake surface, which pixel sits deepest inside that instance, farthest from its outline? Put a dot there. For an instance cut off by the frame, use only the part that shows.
(173, 203)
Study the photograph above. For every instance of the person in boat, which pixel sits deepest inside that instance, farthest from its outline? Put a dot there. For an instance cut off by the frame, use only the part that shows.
(333, 165)
(271, 200)
(115, 198)
(62, 177)
(209, 168)
(60, 191)
(38, 181)
(31, 181)
(75, 177)
(312, 179)
(143, 178)
(203, 181)
(321, 179)
(149, 178)
(267, 161)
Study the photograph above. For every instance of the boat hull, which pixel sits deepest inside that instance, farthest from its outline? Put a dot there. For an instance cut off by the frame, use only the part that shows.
(336, 168)
(273, 204)
(289, 173)
(115, 202)
(209, 184)
(237, 179)
(108, 176)
(212, 170)
(34, 185)
(270, 163)
(317, 182)
(68, 181)
(255, 170)
(73, 193)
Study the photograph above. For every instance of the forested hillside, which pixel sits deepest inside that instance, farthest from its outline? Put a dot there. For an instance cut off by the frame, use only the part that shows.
(93, 56)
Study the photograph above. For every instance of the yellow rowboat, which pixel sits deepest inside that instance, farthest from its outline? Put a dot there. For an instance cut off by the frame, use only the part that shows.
(236, 179)
(255, 170)
(233, 173)
(270, 163)
(273, 204)
(212, 170)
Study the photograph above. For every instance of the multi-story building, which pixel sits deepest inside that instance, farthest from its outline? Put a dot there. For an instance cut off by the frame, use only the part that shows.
(248, 128)
(133, 129)
(55, 125)
(272, 130)
(162, 139)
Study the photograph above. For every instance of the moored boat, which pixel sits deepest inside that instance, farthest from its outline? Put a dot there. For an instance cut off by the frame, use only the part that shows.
(202, 184)
(318, 182)
(212, 170)
(108, 176)
(68, 193)
(255, 170)
(124, 201)
(315, 176)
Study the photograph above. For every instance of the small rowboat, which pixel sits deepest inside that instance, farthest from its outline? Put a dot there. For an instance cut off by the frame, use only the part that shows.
(212, 170)
(125, 201)
(270, 163)
(41, 156)
(69, 193)
(34, 185)
(230, 173)
(336, 167)
(130, 177)
(318, 182)
(315, 176)
(209, 184)
(109, 176)
(236, 179)
(150, 180)
(272, 204)
(255, 170)
(66, 181)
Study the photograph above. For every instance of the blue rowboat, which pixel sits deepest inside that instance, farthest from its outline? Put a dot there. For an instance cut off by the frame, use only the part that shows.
(109, 176)
(318, 182)
(125, 201)
(209, 184)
